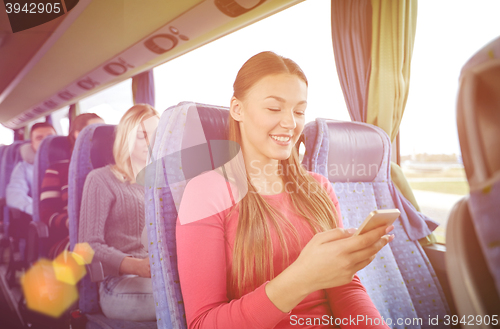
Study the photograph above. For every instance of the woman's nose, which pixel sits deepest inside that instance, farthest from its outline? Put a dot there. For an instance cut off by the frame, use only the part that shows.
(288, 120)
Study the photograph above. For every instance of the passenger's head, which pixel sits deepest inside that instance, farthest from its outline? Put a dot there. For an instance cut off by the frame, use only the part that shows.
(267, 107)
(134, 136)
(38, 132)
(80, 122)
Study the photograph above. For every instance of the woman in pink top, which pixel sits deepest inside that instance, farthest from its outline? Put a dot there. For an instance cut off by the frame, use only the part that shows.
(278, 258)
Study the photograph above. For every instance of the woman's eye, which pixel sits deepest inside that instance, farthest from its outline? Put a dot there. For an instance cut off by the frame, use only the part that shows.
(273, 109)
(300, 112)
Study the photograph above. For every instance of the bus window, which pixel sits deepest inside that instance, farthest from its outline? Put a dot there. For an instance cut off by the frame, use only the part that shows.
(430, 151)
(110, 103)
(6, 136)
(206, 74)
(60, 121)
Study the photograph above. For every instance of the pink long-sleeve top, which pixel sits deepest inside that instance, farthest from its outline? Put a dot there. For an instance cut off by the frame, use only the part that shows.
(205, 252)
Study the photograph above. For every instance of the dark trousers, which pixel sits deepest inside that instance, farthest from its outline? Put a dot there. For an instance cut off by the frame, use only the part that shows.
(19, 224)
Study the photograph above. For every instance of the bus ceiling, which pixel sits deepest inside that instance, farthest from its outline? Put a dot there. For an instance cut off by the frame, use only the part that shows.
(100, 43)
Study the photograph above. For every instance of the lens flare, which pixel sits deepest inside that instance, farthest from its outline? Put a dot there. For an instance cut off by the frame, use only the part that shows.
(85, 251)
(69, 267)
(44, 293)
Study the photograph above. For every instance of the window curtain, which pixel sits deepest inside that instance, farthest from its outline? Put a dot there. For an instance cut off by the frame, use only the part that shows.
(143, 88)
(373, 44)
(393, 35)
(351, 37)
(73, 112)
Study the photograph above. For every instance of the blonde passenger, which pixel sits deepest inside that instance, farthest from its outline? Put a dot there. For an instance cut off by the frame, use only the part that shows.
(112, 220)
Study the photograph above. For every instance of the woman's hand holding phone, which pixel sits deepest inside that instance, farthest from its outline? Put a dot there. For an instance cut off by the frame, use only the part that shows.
(334, 257)
(329, 259)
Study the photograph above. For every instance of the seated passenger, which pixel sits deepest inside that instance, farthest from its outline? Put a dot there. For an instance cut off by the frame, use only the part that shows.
(112, 218)
(20, 188)
(54, 191)
(279, 257)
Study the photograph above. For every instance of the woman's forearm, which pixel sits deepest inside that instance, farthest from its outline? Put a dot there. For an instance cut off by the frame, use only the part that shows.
(288, 289)
(128, 265)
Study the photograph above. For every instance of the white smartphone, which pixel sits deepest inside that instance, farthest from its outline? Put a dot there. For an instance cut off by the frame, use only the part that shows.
(377, 218)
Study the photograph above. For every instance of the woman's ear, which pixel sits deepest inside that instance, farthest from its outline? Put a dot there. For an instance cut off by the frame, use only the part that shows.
(236, 109)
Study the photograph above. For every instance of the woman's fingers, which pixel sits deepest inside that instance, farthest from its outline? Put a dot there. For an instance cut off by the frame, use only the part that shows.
(332, 235)
(361, 265)
(366, 253)
(365, 240)
(337, 251)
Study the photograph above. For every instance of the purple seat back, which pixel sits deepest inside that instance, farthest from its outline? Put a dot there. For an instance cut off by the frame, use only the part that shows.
(93, 149)
(478, 123)
(11, 156)
(161, 212)
(53, 149)
(356, 159)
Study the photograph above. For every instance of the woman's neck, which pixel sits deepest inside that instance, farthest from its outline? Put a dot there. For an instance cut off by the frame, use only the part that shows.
(264, 175)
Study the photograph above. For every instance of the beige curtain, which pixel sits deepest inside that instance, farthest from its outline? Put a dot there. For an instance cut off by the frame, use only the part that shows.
(373, 48)
(393, 35)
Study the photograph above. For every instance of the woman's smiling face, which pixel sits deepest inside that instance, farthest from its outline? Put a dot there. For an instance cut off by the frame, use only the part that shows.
(271, 117)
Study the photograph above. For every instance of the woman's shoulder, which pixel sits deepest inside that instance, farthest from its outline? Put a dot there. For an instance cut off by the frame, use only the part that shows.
(100, 172)
(207, 195)
(102, 176)
(327, 185)
(320, 178)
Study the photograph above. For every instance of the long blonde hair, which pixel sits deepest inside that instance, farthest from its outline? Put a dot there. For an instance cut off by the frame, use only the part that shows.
(253, 255)
(126, 134)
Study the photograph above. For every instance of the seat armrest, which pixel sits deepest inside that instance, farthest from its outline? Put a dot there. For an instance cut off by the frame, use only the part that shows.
(95, 271)
(41, 229)
(470, 279)
(36, 247)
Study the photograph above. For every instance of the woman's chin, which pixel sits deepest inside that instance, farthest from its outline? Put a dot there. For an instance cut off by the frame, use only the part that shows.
(280, 156)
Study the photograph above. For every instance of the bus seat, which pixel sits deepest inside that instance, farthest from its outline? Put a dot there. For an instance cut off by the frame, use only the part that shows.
(356, 159)
(3, 203)
(80, 166)
(473, 229)
(161, 212)
(470, 278)
(9, 160)
(2, 200)
(93, 149)
(53, 149)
